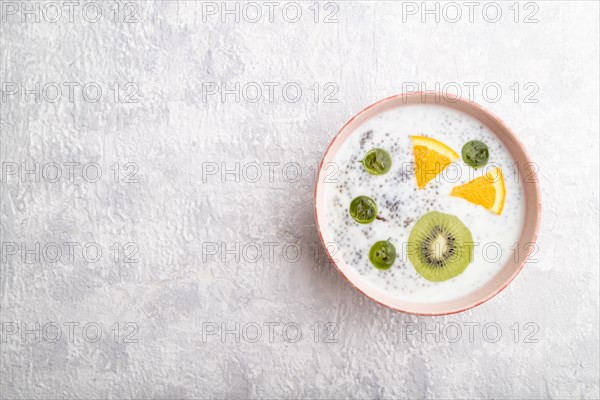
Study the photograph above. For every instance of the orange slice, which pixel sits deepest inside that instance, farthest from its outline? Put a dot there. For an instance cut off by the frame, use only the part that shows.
(487, 191)
(431, 158)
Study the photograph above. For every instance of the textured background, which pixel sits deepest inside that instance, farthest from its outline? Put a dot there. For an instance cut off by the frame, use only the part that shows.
(175, 217)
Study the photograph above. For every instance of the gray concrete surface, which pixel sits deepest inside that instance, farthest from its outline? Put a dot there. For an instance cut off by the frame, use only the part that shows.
(169, 277)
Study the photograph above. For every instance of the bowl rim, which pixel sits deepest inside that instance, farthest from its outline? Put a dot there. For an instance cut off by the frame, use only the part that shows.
(511, 135)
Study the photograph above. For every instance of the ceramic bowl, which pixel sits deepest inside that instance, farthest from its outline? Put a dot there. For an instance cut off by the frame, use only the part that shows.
(530, 189)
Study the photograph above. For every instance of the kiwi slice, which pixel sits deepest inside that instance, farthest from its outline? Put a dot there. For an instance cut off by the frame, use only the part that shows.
(440, 246)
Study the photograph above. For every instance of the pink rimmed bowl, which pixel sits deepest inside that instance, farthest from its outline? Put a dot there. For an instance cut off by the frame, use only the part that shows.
(531, 190)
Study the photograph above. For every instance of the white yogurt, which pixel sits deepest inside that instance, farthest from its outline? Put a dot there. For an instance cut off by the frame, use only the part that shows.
(402, 204)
